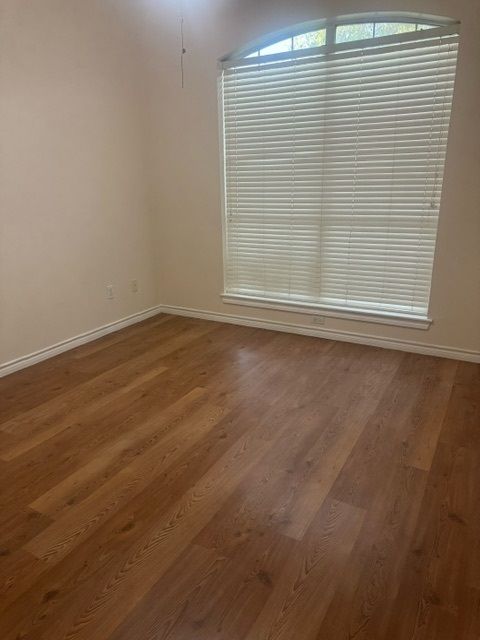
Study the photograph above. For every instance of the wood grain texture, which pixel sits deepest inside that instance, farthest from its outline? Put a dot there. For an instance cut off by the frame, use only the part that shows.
(188, 480)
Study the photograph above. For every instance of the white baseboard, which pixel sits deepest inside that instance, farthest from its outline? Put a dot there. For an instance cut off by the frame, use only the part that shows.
(330, 334)
(343, 336)
(33, 358)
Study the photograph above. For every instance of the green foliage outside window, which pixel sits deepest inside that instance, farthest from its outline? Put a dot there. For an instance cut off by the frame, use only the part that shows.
(343, 33)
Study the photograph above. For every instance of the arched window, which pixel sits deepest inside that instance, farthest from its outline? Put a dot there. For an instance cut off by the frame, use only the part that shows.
(334, 146)
(341, 32)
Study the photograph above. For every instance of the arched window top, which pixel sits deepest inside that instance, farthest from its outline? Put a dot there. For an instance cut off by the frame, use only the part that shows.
(342, 30)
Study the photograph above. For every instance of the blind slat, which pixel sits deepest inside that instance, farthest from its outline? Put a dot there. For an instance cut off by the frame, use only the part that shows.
(333, 174)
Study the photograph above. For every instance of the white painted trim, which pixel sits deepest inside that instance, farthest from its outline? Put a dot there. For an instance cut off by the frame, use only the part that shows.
(343, 336)
(329, 334)
(49, 352)
(396, 319)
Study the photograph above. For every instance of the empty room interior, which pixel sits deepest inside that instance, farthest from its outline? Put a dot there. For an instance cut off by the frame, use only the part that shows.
(239, 319)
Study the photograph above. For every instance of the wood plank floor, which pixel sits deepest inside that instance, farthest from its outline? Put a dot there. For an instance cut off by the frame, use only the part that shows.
(189, 480)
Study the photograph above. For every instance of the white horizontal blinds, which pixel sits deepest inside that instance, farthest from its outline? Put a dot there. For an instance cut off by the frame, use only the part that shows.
(333, 172)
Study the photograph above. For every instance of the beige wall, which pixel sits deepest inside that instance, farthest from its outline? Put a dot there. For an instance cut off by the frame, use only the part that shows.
(74, 208)
(187, 158)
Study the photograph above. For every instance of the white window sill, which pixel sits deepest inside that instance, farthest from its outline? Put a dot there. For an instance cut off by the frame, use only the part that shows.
(378, 317)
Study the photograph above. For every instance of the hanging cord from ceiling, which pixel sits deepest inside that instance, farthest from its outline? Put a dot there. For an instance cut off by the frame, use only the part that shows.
(182, 38)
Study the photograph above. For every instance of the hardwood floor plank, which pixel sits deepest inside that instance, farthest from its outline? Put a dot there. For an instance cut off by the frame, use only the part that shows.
(384, 441)
(324, 462)
(133, 443)
(78, 406)
(78, 573)
(79, 439)
(460, 427)
(106, 386)
(435, 574)
(166, 337)
(228, 595)
(73, 448)
(449, 564)
(185, 479)
(170, 600)
(155, 552)
(143, 328)
(366, 592)
(229, 606)
(26, 389)
(428, 414)
(312, 571)
(260, 501)
(31, 387)
(77, 576)
(60, 537)
(19, 526)
(439, 623)
(18, 569)
(469, 628)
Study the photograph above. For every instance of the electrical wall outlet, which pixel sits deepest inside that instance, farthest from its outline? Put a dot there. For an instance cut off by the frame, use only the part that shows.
(134, 286)
(110, 292)
(319, 320)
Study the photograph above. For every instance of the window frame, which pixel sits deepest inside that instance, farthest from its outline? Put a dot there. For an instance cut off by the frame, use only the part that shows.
(330, 25)
(422, 322)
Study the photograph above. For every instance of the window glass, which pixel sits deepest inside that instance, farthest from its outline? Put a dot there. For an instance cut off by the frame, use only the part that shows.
(350, 32)
(309, 40)
(344, 33)
(392, 28)
(277, 47)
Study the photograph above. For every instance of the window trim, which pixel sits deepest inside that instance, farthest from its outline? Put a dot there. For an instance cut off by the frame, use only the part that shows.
(343, 313)
(445, 26)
